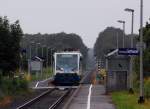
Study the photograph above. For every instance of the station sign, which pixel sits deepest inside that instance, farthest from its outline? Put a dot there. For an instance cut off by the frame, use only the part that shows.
(35, 65)
(128, 51)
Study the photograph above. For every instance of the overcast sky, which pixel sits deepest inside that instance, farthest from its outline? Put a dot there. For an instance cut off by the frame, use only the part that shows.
(84, 17)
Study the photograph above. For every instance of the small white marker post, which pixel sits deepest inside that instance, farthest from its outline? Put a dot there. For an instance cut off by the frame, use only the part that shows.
(36, 84)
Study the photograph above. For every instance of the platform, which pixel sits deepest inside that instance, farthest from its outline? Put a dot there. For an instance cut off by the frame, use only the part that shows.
(92, 97)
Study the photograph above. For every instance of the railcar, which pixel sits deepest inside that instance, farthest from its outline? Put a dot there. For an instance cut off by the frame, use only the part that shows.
(67, 68)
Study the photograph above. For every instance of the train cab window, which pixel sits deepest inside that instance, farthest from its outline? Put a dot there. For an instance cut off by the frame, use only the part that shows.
(68, 63)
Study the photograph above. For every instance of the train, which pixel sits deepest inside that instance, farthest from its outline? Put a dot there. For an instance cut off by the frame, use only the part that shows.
(67, 68)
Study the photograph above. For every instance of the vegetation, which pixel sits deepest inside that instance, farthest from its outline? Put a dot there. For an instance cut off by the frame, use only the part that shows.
(124, 100)
(12, 86)
(10, 36)
(147, 88)
(146, 57)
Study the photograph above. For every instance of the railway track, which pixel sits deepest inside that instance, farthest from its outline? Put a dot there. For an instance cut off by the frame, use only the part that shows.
(49, 99)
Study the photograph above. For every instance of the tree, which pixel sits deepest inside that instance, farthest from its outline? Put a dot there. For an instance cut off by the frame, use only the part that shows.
(146, 60)
(146, 51)
(10, 36)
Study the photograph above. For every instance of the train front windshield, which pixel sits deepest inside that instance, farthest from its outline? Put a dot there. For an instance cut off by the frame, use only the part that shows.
(67, 63)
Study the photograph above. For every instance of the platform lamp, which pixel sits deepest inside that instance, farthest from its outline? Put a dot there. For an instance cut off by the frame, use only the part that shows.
(131, 57)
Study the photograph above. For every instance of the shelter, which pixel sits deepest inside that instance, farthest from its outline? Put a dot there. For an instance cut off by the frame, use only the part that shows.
(117, 68)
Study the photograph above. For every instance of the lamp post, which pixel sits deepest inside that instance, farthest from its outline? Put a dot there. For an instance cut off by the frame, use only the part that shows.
(131, 57)
(123, 22)
(141, 98)
(132, 23)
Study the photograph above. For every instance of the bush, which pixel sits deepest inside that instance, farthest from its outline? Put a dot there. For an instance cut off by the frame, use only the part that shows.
(147, 88)
(7, 86)
(136, 85)
(23, 84)
(11, 86)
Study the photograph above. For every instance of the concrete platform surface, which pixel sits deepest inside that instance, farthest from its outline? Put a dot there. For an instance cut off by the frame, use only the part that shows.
(96, 100)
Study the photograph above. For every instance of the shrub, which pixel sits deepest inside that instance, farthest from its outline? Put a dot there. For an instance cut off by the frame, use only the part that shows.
(147, 88)
(23, 84)
(11, 86)
(7, 86)
(136, 85)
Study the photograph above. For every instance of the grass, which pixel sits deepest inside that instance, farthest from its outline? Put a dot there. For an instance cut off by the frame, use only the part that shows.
(124, 100)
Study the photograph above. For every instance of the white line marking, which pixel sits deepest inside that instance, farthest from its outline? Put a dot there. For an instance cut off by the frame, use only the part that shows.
(89, 97)
(36, 84)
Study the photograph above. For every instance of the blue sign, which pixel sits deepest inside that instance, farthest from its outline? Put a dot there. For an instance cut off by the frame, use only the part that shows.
(128, 51)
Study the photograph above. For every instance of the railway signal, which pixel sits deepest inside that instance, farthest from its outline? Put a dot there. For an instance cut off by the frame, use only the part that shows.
(99, 64)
